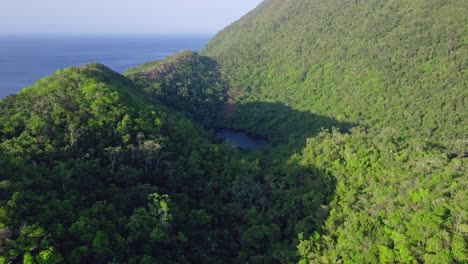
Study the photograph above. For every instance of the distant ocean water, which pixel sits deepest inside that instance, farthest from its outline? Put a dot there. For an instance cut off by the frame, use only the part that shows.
(26, 59)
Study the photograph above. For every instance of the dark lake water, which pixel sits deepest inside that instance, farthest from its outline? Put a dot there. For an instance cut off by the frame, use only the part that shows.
(242, 140)
(24, 59)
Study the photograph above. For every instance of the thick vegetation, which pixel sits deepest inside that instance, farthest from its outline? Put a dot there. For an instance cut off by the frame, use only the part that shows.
(364, 102)
(400, 64)
(92, 171)
(186, 81)
(398, 70)
(397, 200)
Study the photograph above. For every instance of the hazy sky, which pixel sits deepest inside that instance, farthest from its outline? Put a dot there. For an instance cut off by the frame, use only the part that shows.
(120, 16)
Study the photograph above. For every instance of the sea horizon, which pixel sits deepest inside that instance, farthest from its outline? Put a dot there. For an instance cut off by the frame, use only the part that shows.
(28, 57)
(104, 34)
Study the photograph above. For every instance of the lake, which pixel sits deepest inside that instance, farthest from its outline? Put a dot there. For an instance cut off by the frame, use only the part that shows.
(24, 59)
(239, 139)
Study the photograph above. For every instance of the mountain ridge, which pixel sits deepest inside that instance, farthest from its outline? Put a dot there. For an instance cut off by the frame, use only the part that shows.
(362, 57)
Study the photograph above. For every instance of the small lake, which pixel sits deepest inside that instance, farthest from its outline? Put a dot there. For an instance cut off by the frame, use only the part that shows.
(242, 140)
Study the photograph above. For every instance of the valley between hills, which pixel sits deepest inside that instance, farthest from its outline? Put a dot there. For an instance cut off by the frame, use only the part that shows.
(364, 107)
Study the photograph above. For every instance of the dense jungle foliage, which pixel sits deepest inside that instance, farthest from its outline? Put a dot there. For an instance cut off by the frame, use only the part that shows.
(400, 64)
(94, 171)
(397, 71)
(185, 81)
(364, 102)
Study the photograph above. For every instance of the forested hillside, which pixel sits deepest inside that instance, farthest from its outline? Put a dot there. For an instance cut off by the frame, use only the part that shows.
(396, 71)
(186, 81)
(364, 103)
(92, 170)
(400, 64)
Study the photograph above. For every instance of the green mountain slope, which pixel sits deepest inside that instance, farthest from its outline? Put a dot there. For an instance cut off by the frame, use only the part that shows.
(400, 64)
(186, 81)
(81, 154)
(397, 72)
(93, 170)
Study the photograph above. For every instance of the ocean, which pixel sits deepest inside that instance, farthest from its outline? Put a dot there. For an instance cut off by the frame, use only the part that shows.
(26, 59)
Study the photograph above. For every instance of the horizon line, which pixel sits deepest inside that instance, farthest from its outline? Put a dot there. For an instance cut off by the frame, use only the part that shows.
(113, 33)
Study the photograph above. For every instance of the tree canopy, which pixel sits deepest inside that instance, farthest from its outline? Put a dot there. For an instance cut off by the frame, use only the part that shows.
(363, 101)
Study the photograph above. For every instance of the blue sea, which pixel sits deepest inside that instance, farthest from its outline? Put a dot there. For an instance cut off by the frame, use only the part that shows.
(26, 59)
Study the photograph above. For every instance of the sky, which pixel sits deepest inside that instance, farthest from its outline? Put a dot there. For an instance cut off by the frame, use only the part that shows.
(121, 16)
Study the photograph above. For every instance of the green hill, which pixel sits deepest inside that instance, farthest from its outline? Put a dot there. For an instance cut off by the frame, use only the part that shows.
(399, 64)
(397, 72)
(81, 160)
(186, 81)
(93, 170)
